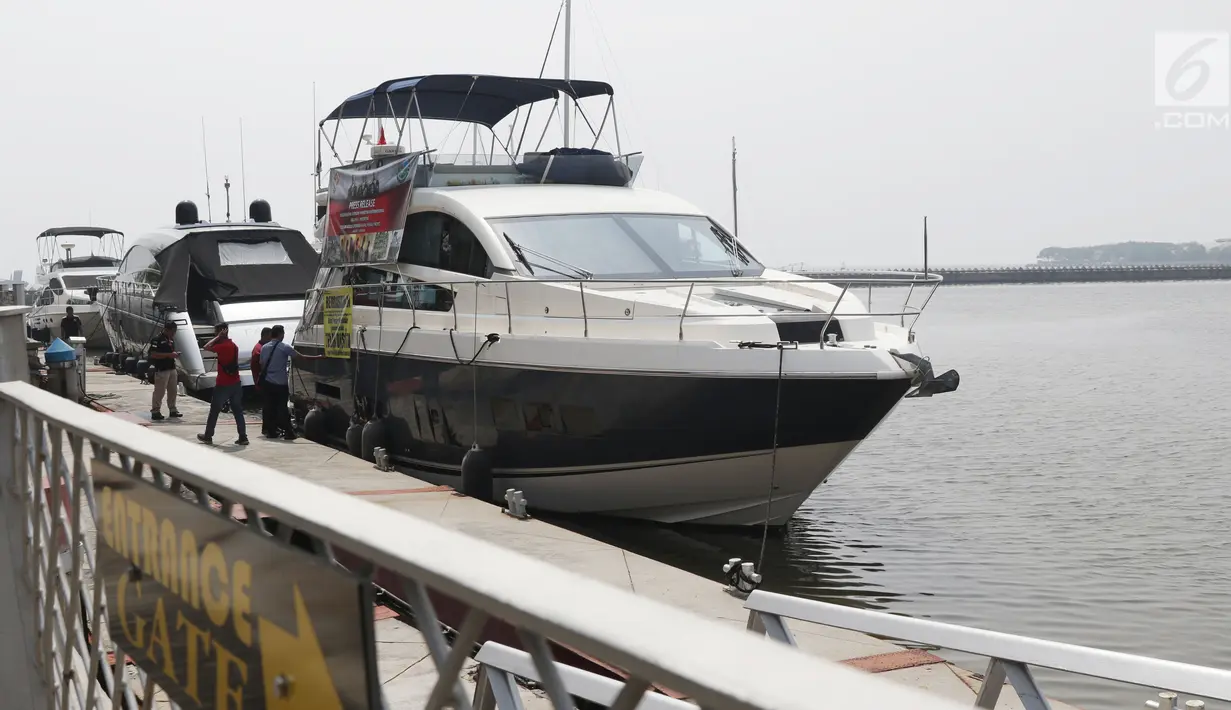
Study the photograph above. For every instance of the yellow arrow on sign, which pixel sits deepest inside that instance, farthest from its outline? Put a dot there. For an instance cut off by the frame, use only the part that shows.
(296, 675)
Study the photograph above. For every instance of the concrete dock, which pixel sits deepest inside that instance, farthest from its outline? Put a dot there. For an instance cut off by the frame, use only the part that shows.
(405, 669)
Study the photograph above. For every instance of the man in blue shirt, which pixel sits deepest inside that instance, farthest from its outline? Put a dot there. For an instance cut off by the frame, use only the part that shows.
(275, 361)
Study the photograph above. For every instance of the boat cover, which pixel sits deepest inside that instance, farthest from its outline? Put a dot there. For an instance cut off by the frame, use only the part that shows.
(198, 252)
(576, 166)
(465, 98)
(79, 231)
(93, 261)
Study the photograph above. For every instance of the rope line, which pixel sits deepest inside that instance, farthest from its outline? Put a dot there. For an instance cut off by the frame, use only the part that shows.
(773, 465)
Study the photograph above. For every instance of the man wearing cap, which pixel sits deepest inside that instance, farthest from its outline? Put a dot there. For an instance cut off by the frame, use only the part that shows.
(227, 387)
(162, 357)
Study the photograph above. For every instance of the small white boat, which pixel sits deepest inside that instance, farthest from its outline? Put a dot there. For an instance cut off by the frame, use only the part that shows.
(71, 262)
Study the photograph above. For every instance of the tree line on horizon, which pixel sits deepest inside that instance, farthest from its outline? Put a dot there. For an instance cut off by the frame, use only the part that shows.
(1138, 253)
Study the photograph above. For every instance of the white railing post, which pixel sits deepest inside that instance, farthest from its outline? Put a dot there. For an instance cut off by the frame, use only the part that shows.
(13, 364)
(684, 311)
(585, 321)
(993, 682)
(508, 306)
(825, 328)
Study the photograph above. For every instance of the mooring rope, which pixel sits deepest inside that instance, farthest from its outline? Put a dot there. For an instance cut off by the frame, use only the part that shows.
(773, 465)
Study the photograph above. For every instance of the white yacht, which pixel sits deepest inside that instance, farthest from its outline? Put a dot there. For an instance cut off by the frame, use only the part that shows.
(71, 262)
(250, 274)
(608, 349)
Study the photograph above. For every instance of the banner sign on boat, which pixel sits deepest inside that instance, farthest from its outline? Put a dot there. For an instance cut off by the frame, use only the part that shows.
(223, 616)
(367, 212)
(339, 302)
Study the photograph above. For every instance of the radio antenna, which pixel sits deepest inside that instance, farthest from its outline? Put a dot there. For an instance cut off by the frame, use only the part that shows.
(243, 179)
(316, 136)
(734, 192)
(209, 210)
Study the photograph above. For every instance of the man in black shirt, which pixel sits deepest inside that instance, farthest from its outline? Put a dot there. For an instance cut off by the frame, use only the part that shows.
(70, 325)
(162, 357)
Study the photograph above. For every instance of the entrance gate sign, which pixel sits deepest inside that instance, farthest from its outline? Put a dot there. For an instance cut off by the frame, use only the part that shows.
(224, 616)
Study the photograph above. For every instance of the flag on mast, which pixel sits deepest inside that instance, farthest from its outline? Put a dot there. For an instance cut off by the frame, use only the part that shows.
(380, 138)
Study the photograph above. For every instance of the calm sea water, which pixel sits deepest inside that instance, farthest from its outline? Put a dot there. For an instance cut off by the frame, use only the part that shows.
(1075, 488)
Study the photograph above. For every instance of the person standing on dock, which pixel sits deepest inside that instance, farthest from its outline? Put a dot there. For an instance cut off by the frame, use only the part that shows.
(163, 355)
(254, 364)
(275, 361)
(70, 325)
(227, 385)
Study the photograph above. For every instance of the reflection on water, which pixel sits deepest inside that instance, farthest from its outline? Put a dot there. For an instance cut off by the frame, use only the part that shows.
(804, 559)
(1073, 489)
(813, 560)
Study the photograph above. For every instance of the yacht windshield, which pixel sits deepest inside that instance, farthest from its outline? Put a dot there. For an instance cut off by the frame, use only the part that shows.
(624, 246)
(80, 282)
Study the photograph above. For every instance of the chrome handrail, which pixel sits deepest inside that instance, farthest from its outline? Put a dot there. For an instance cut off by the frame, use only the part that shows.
(654, 644)
(684, 310)
(832, 311)
(588, 288)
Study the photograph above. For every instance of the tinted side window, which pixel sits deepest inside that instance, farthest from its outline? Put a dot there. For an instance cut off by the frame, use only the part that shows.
(137, 260)
(57, 287)
(438, 241)
(396, 294)
(361, 276)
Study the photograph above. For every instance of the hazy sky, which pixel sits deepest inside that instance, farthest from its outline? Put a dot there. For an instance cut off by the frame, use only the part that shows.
(1014, 126)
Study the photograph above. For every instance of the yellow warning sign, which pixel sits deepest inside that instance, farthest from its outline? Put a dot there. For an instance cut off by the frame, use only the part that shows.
(339, 303)
(223, 616)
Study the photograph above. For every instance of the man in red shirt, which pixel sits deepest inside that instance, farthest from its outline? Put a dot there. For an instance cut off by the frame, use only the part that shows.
(227, 387)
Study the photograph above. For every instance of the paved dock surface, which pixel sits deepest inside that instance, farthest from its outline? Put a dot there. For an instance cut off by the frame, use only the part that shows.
(406, 671)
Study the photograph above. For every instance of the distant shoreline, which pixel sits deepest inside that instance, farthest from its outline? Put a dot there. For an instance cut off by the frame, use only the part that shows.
(1045, 274)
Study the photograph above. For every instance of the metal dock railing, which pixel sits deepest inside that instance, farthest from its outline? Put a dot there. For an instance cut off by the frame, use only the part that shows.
(1009, 656)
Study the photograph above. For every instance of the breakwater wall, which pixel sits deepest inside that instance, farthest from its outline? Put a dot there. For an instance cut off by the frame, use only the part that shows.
(970, 276)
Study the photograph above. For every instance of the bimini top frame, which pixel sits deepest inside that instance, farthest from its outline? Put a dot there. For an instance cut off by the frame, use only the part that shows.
(110, 243)
(464, 98)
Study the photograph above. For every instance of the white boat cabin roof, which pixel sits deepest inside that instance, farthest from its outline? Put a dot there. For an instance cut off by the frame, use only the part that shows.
(158, 239)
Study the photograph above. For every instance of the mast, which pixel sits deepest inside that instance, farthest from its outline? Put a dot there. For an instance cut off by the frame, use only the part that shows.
(209, 210)
(734, 191)
(568, 50)
(243, 176)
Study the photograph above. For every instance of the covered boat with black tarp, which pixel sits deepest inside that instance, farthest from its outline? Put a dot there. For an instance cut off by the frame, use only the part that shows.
(249, 274)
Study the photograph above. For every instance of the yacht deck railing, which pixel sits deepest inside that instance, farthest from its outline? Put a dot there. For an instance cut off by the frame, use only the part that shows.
(408, 295)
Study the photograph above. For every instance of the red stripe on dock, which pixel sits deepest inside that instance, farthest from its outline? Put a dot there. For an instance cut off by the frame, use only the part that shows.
(424, 489)
(894, 661)
(380, 613)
